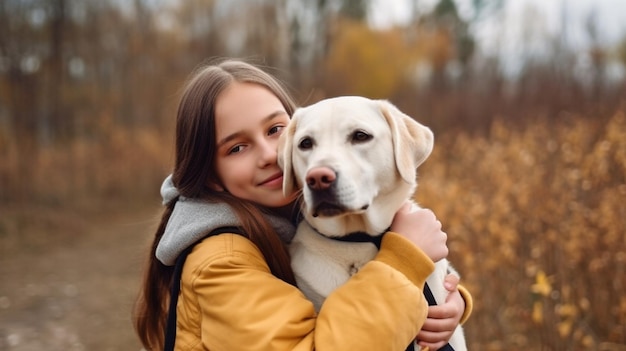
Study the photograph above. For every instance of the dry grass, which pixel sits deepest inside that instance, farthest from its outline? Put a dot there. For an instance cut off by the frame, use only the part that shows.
(536, 218)
(537, 226)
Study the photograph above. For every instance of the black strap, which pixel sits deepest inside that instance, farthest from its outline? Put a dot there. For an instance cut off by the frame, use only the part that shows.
(170, 329)
(431, 302)
(429, 295)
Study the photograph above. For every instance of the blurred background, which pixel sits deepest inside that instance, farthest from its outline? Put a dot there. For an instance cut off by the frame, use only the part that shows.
(526, 99)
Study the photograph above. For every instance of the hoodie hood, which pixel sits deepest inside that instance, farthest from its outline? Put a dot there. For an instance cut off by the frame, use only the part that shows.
(193, 219)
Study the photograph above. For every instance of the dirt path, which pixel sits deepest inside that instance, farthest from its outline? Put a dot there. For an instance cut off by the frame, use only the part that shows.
(67, 282)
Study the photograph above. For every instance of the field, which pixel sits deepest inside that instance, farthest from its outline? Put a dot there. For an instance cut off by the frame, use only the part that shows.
(68, 280)
(535, 213)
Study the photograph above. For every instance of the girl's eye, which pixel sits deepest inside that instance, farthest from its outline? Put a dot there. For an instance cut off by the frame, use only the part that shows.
(235, 149)
(275, 129)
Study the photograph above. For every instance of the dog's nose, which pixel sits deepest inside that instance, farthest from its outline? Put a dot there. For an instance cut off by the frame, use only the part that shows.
(320, 178)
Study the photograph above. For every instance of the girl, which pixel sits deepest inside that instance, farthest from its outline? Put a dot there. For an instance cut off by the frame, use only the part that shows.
(237, 290)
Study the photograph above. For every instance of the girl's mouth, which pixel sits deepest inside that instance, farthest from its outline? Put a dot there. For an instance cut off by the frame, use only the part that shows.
(274, 180)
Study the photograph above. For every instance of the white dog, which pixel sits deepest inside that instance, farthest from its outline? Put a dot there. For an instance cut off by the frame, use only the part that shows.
(355, 160)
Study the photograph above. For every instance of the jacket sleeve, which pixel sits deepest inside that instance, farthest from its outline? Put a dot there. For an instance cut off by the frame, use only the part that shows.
(233, 301)
(469, 303)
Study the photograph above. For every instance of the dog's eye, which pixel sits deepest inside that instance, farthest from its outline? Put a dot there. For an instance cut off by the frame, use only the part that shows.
(305, 144)
(360, 136)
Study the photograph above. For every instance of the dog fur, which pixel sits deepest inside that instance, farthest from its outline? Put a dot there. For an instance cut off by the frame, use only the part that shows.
(355, 161)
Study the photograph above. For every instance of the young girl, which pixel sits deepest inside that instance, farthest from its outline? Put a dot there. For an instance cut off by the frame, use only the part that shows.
(237, 290)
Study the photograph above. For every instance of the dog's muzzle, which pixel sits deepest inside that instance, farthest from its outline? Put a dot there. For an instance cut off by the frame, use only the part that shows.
(326, 203)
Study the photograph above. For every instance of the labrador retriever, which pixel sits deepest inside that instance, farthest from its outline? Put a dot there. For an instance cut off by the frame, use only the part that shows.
(355, 161)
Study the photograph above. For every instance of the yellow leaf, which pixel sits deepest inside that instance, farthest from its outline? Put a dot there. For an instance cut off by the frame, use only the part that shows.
(564, 328)
(542, 284)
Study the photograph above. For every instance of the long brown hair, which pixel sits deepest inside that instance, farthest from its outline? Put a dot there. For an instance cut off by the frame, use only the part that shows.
(194, 164)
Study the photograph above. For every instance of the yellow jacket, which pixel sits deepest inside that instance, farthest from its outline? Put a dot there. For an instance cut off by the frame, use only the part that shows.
(229, 300)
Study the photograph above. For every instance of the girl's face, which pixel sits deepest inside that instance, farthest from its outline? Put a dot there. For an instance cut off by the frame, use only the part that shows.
(249, 119)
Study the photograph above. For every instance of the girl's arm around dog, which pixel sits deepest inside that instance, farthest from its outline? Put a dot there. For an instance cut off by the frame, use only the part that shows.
(380, 308)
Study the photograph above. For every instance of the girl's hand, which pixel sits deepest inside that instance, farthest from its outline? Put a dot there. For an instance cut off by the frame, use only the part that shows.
(443, 319)
(422, 228)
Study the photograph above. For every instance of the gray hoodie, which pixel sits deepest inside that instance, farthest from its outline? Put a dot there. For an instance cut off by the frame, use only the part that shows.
(193, 219)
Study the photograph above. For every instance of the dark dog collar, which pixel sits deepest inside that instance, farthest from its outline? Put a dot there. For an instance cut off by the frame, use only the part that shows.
(359, 237)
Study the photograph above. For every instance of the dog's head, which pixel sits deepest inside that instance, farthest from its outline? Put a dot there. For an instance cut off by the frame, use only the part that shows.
(354, 159)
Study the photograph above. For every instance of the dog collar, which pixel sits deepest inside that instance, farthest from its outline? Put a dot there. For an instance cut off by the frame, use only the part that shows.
(359, 237)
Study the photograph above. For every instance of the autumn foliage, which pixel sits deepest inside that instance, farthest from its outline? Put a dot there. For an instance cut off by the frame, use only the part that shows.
(536, 218)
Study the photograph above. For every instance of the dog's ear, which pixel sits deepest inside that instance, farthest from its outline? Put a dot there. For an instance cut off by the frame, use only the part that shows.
(412, 141)
(285, 155)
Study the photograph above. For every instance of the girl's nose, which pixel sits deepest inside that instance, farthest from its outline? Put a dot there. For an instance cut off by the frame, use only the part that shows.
(268, 154)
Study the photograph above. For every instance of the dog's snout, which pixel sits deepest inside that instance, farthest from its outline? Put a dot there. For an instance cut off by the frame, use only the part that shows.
(320, 178)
